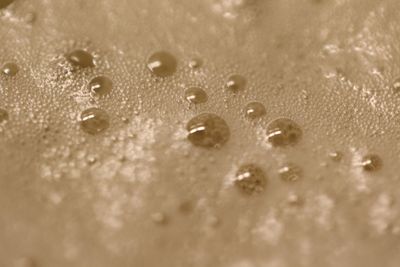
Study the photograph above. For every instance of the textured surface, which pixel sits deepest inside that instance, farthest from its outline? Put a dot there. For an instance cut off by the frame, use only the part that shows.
(140, 194)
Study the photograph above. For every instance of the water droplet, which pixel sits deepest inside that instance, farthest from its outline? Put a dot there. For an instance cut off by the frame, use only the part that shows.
(236, 83)
(250, 179)
(255, 110)
(3, 115)
(371, 163)
(195, 63)
(162, 64)
(336, 156)
(4, 3)
(283, 132)
(80, 58)
(100, 85)
(396, 85)
(94, 121)
(290, 173)
(10, 69)
(159, 218)
(208, 130)
(196, 95)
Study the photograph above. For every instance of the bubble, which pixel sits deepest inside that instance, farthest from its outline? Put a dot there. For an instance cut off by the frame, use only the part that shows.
(208, 130)
(336, 155)
(290, 173)
(195, 63)
(100, 85)
(80, 58)
(283, 132)
(236, 83)
(94, 121)
(196, 95)
(250, 179)
(5, 3)
(162, 64)
(371, 163)
(10, 69)
(3, 115)
(396, 85)
(255, 110)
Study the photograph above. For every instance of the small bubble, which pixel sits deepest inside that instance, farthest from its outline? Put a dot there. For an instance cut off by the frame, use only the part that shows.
(159, 218)
(100, 85)
(290, 173)
(10, 69)
(236, 83)
(94, 121)
(3, 115)
(396, 85)
(5, 3)
(250, 179)
(80, 58)
(208, 130)
(195, 63)
(336, 155)
(196, 95)
(255, 110)
(162, 64)
(371, 163)
(283, 132)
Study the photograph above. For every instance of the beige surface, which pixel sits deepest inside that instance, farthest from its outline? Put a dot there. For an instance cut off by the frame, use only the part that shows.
(140, 194)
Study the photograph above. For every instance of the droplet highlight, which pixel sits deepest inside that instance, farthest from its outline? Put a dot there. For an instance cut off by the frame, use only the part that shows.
(100, 86)
(80, 58)
(290, 173)
(162, 64)
(371, 163)
(236, 83)
(94, 121)
(196, 95)
(254, 110)
(208, 130)
(10, 69)
(396, 85)
(283, 132)
(250, 179)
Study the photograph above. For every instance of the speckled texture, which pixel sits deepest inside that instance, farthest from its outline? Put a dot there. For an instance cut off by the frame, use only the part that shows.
(115, 199)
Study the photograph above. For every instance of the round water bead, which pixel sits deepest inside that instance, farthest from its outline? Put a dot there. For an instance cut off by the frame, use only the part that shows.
(396, 85)
(100, 85)
(162, 64)
(80, 58)
(196, 95)
(94, 121)
(10, 69)
(290, 173)
(371, 163)
(4, 3)
(195, 63)
(255, 110)
(336, 155)
(283, 132)
(236, 83)
(250, 179)
(208, 130)
(3, 115)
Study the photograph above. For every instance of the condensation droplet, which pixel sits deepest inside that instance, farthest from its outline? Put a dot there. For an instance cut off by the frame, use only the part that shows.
(94, 121)
(396, 85)
(208, 130)
(236, 83)
(100, 85)
(159, 218)
(283, 132)
(371, 163)
(195, 63)
(290, 173)
(10, 69)
(3, 115)
(196, 95)
(250, 179)
(80, 58)
(255, 110)
(336, 155)
(5, 3)
(162, 64)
